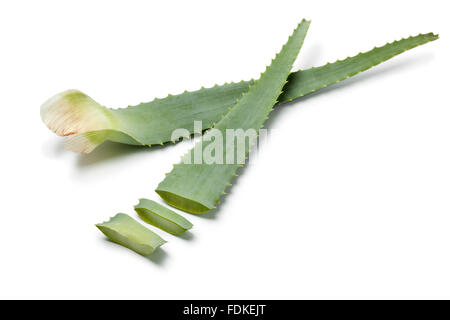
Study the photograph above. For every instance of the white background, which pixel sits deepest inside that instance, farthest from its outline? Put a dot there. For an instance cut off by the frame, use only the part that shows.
(355, 205)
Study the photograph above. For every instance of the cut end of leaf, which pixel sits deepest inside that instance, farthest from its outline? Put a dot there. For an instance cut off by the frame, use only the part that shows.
(82, 142)
(182, 203)
(72, 112)
(88, 141)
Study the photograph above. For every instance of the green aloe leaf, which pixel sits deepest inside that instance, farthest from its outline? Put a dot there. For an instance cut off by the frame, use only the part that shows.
(196, 187)
(308, 81)
(88, 124)
(129, 233)
(162, 217)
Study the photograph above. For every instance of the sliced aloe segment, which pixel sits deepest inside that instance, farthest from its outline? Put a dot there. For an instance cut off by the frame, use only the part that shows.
(162, 217)
(129, 233)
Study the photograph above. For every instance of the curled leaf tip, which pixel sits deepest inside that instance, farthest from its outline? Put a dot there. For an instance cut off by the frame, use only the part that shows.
(71, 112)
(87, 141)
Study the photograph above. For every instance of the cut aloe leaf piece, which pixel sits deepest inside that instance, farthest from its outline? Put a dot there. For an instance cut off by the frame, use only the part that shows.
(129, 233)
(162, 217)
(88, 124)
(196, 187)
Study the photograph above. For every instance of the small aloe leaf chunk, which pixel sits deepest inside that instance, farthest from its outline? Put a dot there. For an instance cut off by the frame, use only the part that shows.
(88, 124)
(197, 187)
(129, 233)
(162, 217)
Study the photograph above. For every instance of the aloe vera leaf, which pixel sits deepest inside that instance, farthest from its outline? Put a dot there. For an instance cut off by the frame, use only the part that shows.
(196, 187)
(162, 217)
(88, 124)
(129, 233)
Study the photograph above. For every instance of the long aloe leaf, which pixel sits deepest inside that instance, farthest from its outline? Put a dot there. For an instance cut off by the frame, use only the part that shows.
(74, 114)
(196, 187)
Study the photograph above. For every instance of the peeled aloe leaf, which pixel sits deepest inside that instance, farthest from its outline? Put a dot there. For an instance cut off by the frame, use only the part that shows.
(88, 124)
(162, 217)
(126, 231)
(196, 187)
